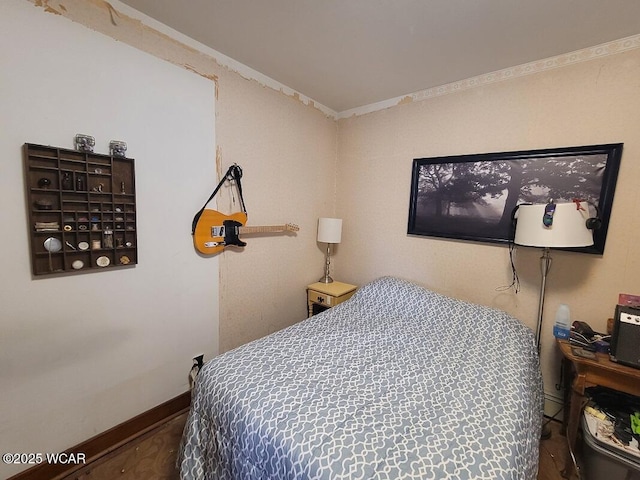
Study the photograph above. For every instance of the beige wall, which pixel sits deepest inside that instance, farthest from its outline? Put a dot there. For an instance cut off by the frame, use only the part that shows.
(288, 155)
(585, 104)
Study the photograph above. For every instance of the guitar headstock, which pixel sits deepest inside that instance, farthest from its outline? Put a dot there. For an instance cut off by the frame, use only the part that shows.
(292, 227)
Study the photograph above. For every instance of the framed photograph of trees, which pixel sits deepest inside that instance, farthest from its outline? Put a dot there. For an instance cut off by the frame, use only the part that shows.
(472, 197)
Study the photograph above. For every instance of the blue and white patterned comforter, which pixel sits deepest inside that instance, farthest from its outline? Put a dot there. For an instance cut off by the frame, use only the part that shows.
(396, 383)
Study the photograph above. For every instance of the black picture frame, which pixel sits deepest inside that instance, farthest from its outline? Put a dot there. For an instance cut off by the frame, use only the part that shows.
(472, 197)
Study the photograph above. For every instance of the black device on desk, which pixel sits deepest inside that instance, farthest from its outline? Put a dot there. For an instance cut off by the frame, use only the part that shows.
(625, 341)
(584, 329)
(582, 335)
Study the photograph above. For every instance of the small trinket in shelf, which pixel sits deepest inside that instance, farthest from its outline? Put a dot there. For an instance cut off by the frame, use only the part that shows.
(52, 244)
(47, 226)
(85, 143)
(108, 239)
(44, 183)
(67, 181)
(122, 190)
(43, 205)
(117, 148)
(103, 261)
(80, 183)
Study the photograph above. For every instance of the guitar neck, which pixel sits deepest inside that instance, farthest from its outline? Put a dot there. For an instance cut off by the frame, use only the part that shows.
(263, 229)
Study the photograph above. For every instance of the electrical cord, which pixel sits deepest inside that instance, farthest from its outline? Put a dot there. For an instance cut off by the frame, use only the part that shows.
(193, 373)
(515, 280)
(195, 369)
(553, 417)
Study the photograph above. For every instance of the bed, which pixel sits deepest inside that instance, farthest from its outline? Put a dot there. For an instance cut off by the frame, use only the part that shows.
(398, 382)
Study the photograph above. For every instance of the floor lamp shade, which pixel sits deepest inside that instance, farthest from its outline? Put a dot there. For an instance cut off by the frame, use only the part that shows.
(329, 230)
(568, 228)
(561, 225)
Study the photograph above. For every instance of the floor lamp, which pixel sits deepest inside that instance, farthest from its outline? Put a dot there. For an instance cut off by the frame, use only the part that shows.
(547, 226)
(329, 231)
(551, 225)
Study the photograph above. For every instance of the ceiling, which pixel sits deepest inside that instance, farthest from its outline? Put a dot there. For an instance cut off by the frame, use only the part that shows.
(346, 54)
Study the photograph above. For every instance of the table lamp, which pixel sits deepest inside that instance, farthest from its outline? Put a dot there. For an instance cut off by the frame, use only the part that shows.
(329, 231)
(551, 225)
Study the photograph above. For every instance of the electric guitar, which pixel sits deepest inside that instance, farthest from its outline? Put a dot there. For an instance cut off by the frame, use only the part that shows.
(215, 231)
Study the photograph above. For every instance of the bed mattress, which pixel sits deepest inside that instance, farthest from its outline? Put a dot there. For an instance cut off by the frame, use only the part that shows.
(398, 382)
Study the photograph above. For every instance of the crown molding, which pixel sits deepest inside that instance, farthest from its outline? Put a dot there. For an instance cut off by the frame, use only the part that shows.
(559, 61)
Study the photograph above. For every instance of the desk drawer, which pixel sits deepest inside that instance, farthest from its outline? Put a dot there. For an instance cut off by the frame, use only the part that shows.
(321, 298)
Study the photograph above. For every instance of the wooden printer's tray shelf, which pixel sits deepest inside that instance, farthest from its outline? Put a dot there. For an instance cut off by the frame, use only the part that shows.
(82, 210)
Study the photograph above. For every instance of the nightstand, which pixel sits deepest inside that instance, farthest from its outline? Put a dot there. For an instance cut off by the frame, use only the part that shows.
(321, 296)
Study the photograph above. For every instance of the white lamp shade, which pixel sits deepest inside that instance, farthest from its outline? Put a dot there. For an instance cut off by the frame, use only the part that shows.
(329, 230)
(568, 229)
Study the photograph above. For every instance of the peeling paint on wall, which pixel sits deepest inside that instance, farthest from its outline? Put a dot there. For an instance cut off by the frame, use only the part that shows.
(47, 8)
(518, 71)
(405, 100)
(112, 12)
(211, 77)
(218, 162)
(103, 17)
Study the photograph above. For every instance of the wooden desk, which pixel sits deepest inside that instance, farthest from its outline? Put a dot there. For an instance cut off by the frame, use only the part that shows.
(590, 373)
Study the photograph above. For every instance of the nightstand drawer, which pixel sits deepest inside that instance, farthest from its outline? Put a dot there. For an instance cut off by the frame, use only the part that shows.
(321, 298)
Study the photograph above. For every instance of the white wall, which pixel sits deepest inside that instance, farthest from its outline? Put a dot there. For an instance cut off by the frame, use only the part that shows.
(81, 353)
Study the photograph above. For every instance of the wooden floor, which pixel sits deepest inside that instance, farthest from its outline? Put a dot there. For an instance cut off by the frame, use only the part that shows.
(153, 456)
(553, 453)
(150, 457)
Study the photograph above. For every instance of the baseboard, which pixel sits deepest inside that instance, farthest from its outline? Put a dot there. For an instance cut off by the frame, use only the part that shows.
(106, 442)
(553, 406)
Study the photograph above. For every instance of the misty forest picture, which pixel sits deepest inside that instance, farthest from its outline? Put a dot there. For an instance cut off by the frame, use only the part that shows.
(472, 197)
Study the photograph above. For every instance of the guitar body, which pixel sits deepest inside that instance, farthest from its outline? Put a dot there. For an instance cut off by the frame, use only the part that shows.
(215, 231)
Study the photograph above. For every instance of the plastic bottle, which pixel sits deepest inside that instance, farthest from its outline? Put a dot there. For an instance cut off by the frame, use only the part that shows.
(562, 327)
